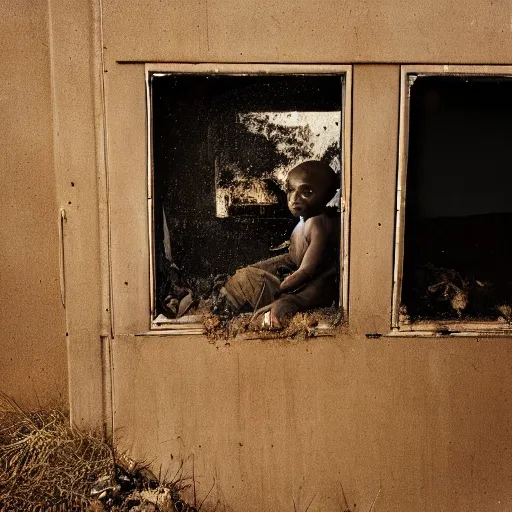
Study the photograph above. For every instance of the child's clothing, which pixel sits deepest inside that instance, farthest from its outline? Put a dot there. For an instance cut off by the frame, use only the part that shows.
(258, 285)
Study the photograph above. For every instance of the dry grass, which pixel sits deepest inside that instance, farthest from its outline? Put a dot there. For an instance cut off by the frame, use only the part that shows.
(45, 462)
(48, 465)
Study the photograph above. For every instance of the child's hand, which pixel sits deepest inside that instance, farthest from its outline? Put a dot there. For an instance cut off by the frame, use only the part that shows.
(271, 317)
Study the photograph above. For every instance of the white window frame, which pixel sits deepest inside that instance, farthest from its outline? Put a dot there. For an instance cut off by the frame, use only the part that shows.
(430, 327)
(191, 324)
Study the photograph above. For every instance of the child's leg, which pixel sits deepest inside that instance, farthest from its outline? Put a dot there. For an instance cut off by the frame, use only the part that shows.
(272, 265)
(250, 288)
(255, 286)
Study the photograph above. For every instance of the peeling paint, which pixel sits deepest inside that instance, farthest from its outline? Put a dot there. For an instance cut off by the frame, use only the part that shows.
(412, 79)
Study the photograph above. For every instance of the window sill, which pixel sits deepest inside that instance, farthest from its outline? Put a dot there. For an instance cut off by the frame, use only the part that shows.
(453, 329)
(186, 325)
(192, 325)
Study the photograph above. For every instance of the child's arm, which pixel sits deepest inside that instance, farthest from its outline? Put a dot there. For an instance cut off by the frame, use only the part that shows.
(315, 253)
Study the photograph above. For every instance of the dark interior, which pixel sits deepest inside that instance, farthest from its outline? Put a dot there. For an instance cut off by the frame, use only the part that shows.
(458, 251)
(192, 126)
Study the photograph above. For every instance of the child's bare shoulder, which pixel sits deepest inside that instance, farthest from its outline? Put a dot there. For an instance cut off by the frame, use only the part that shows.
(322, 223)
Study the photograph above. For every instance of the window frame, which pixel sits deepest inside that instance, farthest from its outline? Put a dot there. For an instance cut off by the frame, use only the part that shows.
(191, 324)
(408, 74)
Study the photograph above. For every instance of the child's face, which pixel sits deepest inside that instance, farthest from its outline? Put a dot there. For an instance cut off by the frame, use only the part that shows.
(306, 194)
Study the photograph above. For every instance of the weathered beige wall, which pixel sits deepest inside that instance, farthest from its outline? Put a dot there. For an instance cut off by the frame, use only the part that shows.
(269, 423)
(451, 31)
(425, 420)
(81, 190)
(33, 361)
(273, 423)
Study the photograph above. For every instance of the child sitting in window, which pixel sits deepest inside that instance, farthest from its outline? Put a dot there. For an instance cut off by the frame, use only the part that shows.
(310, 266)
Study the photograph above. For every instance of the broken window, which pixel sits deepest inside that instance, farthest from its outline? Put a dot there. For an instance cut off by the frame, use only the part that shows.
(456, 246)
(221, 147)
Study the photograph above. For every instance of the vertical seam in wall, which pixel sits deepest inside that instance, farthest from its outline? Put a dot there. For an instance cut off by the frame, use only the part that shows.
(102, 169)
(100, 119)
(58, 195)
(107, 373)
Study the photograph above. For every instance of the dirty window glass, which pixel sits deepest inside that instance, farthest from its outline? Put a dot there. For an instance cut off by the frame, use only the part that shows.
(458, 250)
(222, 147)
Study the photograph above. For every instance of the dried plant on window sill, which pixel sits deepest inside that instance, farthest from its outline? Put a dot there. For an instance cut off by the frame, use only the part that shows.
(303, 325)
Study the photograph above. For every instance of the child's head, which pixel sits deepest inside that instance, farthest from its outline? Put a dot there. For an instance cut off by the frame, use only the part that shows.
(309, 187)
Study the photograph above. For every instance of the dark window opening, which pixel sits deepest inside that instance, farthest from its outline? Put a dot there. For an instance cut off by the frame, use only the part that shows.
(458, 249)
(222, 146)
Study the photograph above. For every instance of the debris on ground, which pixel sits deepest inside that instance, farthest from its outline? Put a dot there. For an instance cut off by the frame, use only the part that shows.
(48, 465)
